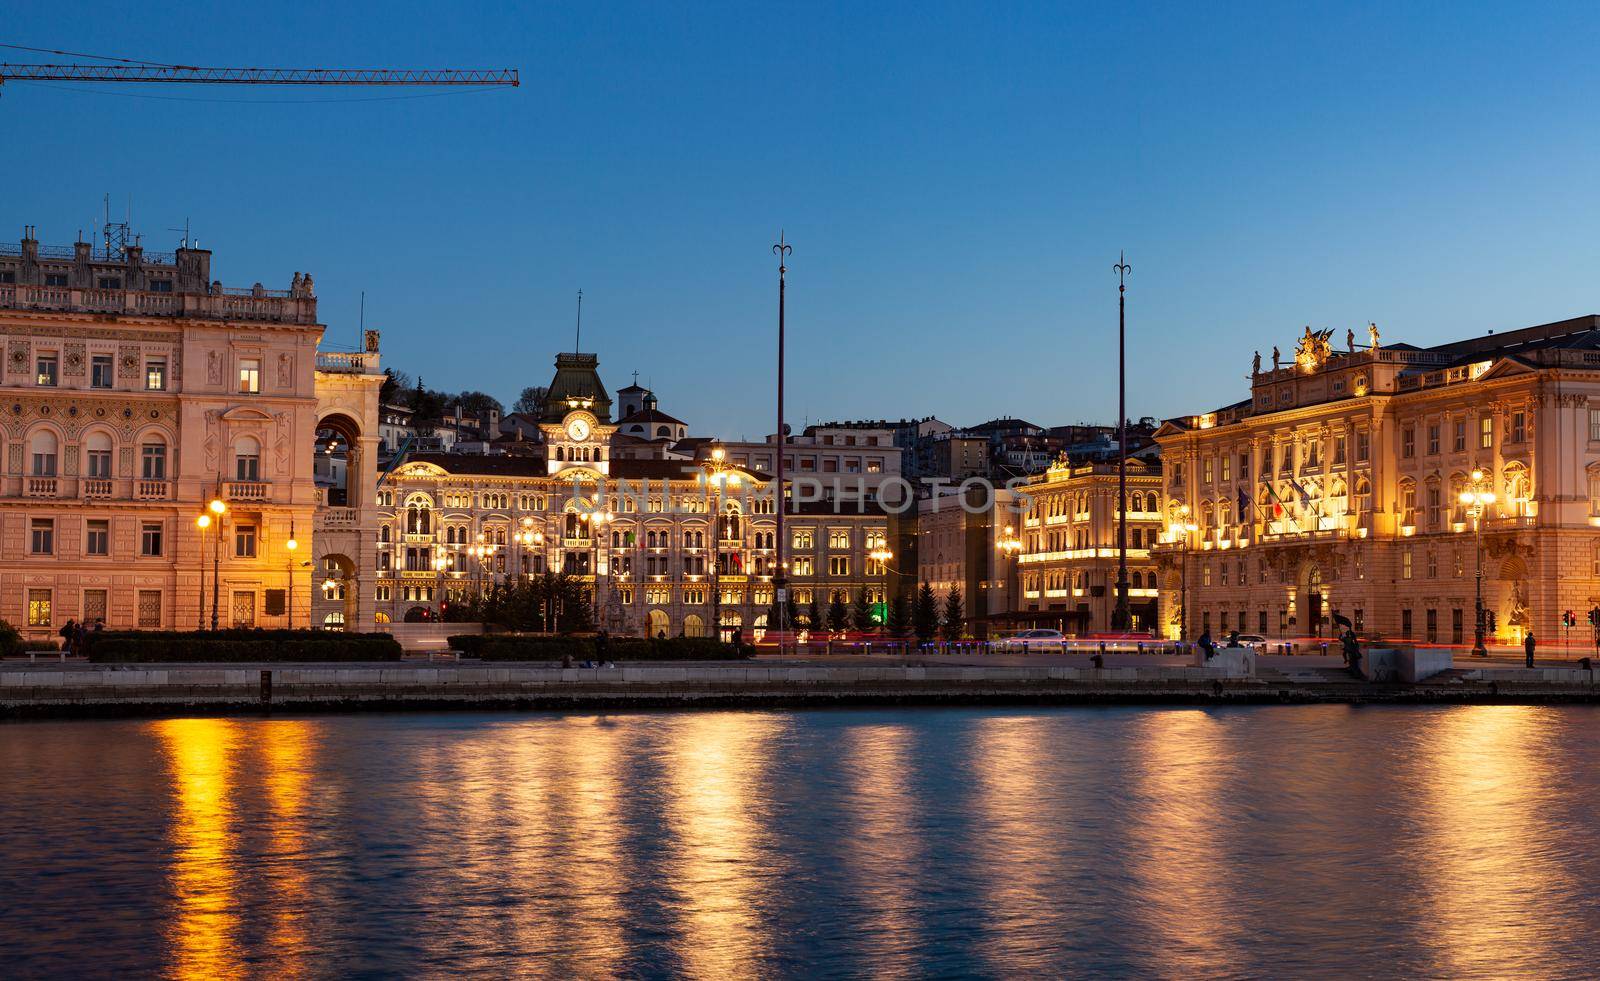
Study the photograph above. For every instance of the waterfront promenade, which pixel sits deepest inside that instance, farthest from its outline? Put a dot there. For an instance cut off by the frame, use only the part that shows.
(57, 687)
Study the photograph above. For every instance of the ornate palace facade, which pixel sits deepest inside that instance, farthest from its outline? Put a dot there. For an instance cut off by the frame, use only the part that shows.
(1068, 562)
(666, 545)
(134, 391)
(1336, 487)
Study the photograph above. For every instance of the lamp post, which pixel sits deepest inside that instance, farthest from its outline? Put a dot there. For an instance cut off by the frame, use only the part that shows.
(530, 539)
(1477, 498)
(1120, 616)
(202, 522)
(441, 562)
(218, 509)
(1011, 547)
(717, 474)
(1180, 533)
(291, 545)
(780, 582)
(596, 522)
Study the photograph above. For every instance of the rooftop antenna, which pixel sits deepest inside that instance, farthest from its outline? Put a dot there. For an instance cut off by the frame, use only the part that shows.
(361, 334)
(185, 231)
(577, 339)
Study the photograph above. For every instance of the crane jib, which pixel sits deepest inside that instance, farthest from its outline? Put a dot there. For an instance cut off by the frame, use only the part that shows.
(257, 76)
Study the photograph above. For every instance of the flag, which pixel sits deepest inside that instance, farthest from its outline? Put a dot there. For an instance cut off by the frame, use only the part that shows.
(1244, 504)
(1277, 502)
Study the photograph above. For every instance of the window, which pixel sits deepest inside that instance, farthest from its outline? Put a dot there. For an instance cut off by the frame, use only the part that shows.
(98, 457)
(839, 565)
(1433, 439)
(1594, 424)
(802, 539)
(1433, 564)
(155, 375)
(1339, 450)
(1405, 564)
(802, 565)
(249, 375)
(1205, 470)
(55, 279)
(244, 541)
(153, 461)
(1460, 442)
(42, 541)
(838, 538)
(1435, 505)
(39, 608)
(1519, 427)
(1485, 433)
(1408, 505)
(1227, 466)
(149, 608)
(1363, 446)
(150, 538)
(1405, 624)
(1244, 467)
(100, 375)
(47, 366)
(159, 285)
(44, 454)
(247, 459)
(244, 609)
(1408, 442)
(97, 537)
(109, 282)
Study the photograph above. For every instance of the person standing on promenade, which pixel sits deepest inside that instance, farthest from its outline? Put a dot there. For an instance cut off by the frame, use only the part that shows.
(1352, 651)
(1527, 649)
(68, 632)
(1208, 647)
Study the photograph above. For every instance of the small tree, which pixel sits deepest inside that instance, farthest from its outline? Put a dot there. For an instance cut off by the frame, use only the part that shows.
(953, 617)
(861, 614)
(925, 614)
(899, 617)
(814, 615)
(838, 613)
(531, 401)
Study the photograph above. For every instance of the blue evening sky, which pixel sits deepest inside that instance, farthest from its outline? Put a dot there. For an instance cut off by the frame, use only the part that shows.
(956, 180)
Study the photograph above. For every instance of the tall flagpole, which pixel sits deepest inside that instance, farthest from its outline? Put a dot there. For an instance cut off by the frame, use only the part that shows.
(780, 581)
(1122, 617)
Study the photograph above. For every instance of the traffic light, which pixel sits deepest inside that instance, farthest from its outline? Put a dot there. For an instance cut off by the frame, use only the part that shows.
(1594, 615)
(1567, 619)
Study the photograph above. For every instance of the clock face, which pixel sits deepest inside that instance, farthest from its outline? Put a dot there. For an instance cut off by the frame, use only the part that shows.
(578, 430)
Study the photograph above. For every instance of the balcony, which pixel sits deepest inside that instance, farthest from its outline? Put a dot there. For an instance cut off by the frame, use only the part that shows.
(271, 306)
(348, 362)
(96, 488)
(341, 518)
(152, 490)
(39, 487)
(246, 490)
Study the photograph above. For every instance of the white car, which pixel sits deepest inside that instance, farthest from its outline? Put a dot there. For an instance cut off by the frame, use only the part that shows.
(1250, 640)
(1032, 641)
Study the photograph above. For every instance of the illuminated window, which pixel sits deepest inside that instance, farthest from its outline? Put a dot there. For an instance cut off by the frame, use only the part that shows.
(39, 608)
(155, 375)
(249, 376)
(47, 370)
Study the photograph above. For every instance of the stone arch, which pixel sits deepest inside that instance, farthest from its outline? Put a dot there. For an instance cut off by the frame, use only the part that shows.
(341, 574)
(660, 623)
(1313, 599)
(693, 626)
(338, 460)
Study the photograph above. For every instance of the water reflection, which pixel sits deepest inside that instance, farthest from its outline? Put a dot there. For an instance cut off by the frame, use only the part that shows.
(1492, 854)
(287, 751)
(1021, 815)
(882, 846)
(1183, 889)
(204, 921)
(721, 867)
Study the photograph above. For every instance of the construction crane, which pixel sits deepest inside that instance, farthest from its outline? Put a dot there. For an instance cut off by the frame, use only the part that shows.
(14, 72)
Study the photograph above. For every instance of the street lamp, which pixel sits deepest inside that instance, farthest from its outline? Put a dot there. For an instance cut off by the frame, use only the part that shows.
(596, 520)
(1011, 547)
(202, 522)
(1180, 532)
(717, 474)
(219, 509)
(291, 545)
(1477, 498)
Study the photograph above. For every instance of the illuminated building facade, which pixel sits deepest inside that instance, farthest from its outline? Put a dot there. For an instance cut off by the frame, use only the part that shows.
(1339, 486)
(1068, 563)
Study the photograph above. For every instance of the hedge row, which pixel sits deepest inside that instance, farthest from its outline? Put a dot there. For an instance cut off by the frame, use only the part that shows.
(234, 646)
(543, 647)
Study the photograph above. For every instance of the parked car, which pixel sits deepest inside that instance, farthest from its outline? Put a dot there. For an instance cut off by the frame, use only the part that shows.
(1033, 641)
(1253, 640)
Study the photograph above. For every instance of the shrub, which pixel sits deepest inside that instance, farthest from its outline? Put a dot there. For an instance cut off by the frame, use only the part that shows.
(535, 647)
(10, 640)
(235, 646)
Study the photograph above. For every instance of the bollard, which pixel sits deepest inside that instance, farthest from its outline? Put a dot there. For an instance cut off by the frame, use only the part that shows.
(266, 687)
(1098, 661)
(1141, 647)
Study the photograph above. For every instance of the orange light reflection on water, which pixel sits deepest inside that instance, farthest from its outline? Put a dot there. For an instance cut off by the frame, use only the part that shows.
(883, 843)
(201, 935)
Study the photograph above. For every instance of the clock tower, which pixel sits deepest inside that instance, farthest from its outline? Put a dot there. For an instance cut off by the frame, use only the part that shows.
(580, 441)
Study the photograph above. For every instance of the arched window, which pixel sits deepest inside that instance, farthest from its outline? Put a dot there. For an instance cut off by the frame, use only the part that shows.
(664, 432)
(1518, 490)
(730, 523)
(247, 459)
(1363, 501)
(97, 455)
(383, 534)
(1408, 504)
(43, 447)
(153, 459)
(419, 516)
